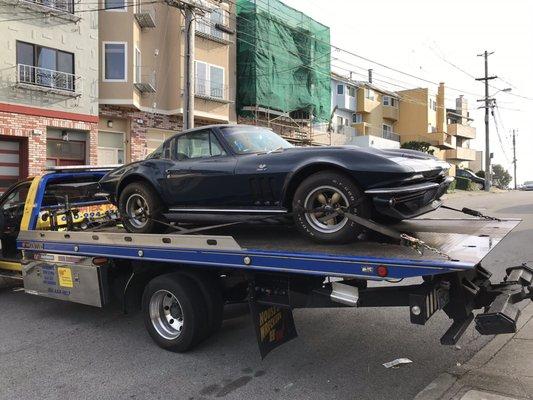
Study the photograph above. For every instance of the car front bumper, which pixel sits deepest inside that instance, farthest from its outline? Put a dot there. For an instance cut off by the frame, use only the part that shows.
(410, 201)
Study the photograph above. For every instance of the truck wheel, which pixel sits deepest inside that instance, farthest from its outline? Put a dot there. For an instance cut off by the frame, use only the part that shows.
(212, 294)
(140, 208)
(174, 312)
(327, 192)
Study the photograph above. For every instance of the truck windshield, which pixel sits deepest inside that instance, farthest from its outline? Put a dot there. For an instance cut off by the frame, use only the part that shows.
(251, 139)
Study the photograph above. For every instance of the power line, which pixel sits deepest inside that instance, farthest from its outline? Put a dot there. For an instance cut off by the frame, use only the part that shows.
(46, 16)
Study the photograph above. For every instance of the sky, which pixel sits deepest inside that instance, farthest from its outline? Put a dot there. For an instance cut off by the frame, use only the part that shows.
(425, 37)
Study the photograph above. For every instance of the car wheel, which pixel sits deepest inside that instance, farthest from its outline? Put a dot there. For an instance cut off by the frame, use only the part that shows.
(140, 208)
(322, 195)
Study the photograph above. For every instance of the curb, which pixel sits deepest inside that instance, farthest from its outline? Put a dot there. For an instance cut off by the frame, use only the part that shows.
(446, 381)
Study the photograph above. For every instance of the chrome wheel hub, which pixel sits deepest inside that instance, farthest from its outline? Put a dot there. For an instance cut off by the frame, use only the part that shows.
(324, 207)
(137, 210)
(166, 314)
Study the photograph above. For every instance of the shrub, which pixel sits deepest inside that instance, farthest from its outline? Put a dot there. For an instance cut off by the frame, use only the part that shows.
(463, 183)
(452, 187)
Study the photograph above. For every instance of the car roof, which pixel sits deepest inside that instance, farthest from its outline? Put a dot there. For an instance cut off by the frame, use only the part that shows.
(212, 126)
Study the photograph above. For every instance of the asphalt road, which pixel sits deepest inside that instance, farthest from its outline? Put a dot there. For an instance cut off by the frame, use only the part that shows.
(50, 349)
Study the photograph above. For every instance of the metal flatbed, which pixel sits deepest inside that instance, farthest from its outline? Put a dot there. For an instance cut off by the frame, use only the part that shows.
(462, 244)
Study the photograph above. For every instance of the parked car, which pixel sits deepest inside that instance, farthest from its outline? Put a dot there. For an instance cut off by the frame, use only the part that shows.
(466, 173)
(527, 185)
(225, 172)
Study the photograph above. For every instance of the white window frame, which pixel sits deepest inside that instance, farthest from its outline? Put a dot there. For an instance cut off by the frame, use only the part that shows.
(352, 89)
(386, 100)
(340, 85)
(104, 79)
(208, 77)
(357, 118)
(123, 9)
(137, 65)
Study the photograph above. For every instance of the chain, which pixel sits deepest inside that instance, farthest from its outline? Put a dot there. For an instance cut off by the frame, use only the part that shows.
(416, 244)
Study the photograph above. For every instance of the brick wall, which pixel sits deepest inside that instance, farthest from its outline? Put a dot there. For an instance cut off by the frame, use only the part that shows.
(22, 125)
(140, 121)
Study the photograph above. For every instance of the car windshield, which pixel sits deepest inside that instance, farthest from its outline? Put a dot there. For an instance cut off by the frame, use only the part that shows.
(251, 139)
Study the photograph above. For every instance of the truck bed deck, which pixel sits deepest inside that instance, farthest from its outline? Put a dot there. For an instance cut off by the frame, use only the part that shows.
(461, 245)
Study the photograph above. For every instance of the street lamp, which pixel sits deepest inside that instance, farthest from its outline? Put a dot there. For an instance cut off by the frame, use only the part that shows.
(502, 90)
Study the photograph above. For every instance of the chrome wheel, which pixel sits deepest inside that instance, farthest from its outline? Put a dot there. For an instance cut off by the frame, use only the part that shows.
(137, 210)
(322, 207)
(166, 314)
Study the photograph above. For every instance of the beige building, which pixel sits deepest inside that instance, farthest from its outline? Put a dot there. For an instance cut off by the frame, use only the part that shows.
(141, 75)
(48, 85)
(425, 118)
(362, 114)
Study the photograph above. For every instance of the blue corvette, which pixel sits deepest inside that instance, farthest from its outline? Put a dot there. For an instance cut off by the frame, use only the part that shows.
(226, 172)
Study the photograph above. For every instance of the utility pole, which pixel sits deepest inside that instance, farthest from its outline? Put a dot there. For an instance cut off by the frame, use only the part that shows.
(514, 157)
(488, 102)
(189, 84)
(190, 9)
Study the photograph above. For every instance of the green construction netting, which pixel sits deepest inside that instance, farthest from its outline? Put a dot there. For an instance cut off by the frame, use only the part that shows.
(283, 59)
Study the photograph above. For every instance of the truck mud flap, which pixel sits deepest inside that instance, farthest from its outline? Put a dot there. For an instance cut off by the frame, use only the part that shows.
(271, 312)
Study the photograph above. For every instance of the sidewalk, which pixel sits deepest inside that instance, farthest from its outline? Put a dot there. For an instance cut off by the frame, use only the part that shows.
(502, 370)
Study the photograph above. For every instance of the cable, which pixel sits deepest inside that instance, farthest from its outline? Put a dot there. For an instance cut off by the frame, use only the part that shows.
(268, 5)
(83, 11)
(499, 136)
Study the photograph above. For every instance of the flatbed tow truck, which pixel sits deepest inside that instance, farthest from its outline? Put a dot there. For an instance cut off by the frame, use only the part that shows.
(65, 242)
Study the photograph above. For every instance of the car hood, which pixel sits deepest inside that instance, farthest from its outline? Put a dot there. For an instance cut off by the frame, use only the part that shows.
(416, 160)
(411, 160)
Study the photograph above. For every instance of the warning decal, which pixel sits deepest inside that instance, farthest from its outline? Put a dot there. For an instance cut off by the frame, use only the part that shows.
(64, 275)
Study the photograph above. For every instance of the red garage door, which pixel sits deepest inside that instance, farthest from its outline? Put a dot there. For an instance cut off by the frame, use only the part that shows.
(12, 162)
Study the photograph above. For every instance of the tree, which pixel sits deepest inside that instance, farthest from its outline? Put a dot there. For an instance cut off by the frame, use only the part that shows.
(500, 177)
(420, 146)
(481, 174)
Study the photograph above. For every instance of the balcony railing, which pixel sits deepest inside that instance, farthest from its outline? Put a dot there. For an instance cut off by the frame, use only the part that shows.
(60, 5)
(207, 26)
(144, 15)
(144, 80)
(211, 90)
(59, 8)
(390, 135)
(48, 80)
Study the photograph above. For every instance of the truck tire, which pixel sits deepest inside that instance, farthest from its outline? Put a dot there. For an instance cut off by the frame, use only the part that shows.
(174, 312)
(331, 190)
(213, 297)
(141, 208)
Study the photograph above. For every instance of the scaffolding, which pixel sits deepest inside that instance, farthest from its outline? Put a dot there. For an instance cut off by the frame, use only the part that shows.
(283, 66)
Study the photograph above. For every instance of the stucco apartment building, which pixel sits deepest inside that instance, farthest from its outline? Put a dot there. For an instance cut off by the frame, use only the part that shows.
(425, 118)
(363, 114)
(141, 57)
(48, 86)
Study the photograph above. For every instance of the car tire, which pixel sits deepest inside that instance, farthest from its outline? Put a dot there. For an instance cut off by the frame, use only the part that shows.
(337, 190)
(141, 195)
(174, 312)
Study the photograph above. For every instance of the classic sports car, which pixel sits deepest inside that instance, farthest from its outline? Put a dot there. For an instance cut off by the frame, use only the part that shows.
(225, 172)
